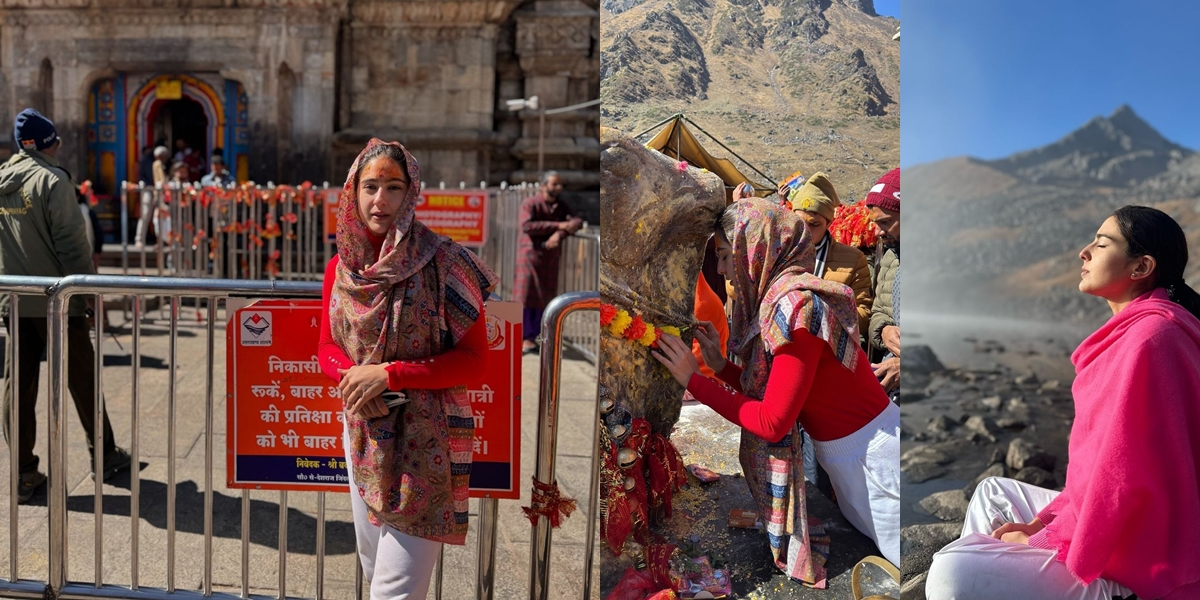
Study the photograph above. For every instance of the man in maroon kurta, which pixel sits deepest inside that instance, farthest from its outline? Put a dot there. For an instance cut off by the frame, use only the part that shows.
(545, 222)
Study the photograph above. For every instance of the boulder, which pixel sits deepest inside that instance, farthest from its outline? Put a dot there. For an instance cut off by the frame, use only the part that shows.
(941, 423)
(663, 217)
(1023, 453)
(918, 543)
(950, 505)
(995, 470)
(923, 463)
(982, 426)
(920, 359)
(1037, 476)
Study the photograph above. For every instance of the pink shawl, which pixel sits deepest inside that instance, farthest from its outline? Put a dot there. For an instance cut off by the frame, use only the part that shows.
(1131, 508)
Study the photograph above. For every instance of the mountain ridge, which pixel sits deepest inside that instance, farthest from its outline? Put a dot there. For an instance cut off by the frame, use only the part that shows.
(1121, 149)
(808, 85)
(1003, 236)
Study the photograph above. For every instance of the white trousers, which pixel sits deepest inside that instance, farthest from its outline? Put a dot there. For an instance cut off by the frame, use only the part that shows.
(864, 469)
(398, 566)
(980, 567)
(162, 224)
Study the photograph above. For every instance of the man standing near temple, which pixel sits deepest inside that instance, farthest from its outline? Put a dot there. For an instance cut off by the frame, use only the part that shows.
(545, 222)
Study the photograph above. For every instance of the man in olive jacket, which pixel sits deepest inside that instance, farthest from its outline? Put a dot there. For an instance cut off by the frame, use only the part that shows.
(42, 233)
(884, 202)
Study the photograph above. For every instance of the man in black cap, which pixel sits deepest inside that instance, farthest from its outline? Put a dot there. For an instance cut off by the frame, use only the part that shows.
(42, 233)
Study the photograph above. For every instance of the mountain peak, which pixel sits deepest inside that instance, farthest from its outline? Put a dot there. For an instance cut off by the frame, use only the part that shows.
(1120, 149)
(865, 6)
(1123, 111)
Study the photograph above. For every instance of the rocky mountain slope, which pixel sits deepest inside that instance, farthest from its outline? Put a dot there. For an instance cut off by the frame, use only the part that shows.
(789, 85)
(1003, 236)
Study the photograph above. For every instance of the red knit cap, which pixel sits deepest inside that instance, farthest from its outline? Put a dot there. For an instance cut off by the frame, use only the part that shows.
(886, 192)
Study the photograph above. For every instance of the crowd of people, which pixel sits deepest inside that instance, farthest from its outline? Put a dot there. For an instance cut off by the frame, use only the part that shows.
(158, 169)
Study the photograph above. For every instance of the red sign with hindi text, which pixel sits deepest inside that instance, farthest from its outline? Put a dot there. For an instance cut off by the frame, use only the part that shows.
(285, 417)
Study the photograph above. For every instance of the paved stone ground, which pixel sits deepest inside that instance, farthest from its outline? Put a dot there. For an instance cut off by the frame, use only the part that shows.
(513, 541)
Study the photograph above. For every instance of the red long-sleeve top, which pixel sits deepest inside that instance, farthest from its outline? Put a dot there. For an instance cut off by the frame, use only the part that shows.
(459, 366)
(807, 383)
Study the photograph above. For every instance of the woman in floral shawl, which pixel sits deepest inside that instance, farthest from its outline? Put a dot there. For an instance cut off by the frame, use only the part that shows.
(404, 311)
(796, 337)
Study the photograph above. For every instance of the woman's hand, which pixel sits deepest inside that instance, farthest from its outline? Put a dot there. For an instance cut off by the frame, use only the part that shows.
(360, 388)
(373, 409)
(1017, 533)
(677, 357)
(555, 239)
(710, 346)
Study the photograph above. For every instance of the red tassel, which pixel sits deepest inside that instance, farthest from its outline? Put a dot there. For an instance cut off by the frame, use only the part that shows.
(549, 502)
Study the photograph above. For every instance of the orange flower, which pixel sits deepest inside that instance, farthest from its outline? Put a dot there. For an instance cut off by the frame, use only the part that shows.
(607, 312)
(636, 329)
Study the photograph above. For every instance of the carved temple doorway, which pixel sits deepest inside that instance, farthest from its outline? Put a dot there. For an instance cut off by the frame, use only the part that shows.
(128, 112)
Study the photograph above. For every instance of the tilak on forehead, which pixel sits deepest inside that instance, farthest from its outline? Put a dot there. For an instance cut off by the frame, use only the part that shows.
(400, 255)
(383, 169)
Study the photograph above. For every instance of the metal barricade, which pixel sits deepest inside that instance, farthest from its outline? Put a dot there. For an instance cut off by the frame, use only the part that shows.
(58, 584)
(15, 287)
(553, 324)
(242, 232)
(578, 271)
(271, 232)
(279, 232)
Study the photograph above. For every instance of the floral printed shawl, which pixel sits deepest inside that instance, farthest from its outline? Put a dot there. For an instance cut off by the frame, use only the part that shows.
(775, 294)
(417, 300)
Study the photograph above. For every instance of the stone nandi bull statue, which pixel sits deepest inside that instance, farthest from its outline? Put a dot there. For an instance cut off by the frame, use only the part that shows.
(657, 214)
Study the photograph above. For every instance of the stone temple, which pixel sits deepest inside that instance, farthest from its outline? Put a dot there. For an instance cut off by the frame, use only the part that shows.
(291, 90)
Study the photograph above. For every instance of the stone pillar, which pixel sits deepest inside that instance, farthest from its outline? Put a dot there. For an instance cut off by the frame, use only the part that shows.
(557, 50)
(554, 43)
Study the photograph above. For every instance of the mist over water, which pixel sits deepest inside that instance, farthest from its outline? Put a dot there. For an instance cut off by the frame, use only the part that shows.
(956, 338)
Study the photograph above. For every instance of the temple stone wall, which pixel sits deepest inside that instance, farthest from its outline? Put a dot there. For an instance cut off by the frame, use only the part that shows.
(324, 76)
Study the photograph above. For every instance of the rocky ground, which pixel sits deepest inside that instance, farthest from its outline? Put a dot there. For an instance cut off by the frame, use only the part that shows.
(962, 425)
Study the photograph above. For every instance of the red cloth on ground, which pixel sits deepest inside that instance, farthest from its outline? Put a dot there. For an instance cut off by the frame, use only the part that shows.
(447, 370)
(808, 384)
(709, 308)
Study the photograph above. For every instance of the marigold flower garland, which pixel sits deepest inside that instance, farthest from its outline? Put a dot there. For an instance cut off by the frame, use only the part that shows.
(619, 323)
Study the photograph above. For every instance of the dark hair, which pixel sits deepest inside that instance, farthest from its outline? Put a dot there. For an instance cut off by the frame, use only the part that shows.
(1152, 232)
(726, 222)
(388, 150)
